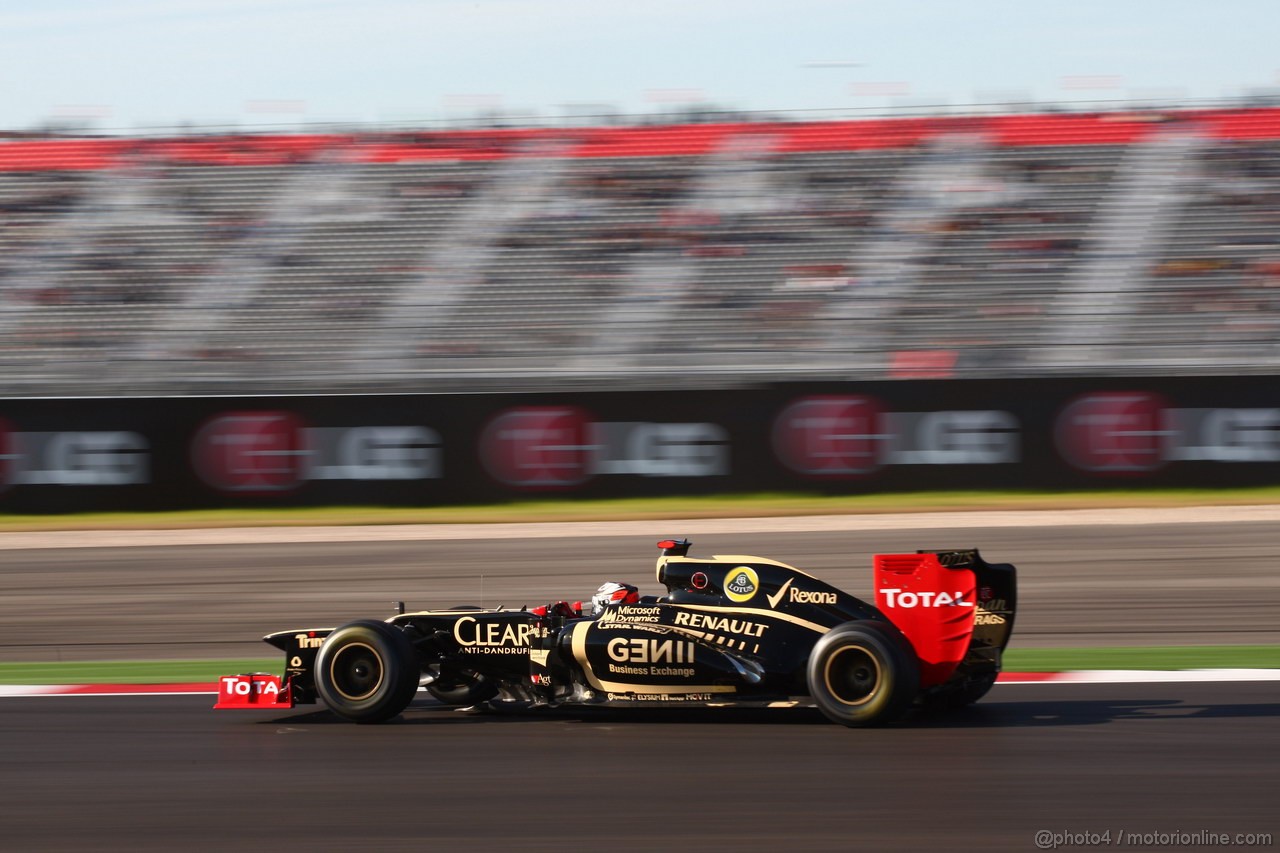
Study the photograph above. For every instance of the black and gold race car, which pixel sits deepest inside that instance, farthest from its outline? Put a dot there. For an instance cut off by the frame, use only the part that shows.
(731, 631)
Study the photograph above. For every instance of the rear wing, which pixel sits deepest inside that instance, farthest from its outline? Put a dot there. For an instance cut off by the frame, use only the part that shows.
(952, 606)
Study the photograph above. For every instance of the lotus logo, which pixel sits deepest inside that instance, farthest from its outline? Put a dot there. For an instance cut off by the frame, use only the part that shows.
(741, 583)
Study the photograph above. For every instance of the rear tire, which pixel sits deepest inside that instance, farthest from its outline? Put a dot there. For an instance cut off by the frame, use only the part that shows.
(367, 671)
(863, 674)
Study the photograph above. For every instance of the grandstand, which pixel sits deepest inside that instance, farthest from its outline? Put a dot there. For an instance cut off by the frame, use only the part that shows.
(718, 253)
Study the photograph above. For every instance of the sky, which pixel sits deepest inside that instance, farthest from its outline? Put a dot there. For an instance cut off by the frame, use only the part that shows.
(134, 64)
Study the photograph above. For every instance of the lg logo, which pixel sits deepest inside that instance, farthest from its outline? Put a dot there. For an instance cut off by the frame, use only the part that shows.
(842, 437)
(99, 458)
(277, 452)
(538, 447)
(251, 452)
(1134, 432)
(563, 447)
(1113, 432)
(830, 436)
(8, 454)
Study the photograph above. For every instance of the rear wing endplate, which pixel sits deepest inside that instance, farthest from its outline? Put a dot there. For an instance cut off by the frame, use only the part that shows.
(930, 598)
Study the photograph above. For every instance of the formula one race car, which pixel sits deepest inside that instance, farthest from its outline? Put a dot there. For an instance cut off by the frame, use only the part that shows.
(731, 631)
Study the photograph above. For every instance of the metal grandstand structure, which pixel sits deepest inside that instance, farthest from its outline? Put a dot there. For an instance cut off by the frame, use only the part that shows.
(1138, 242)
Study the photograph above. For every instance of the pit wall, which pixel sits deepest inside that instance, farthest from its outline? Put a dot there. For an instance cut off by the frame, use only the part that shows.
(73, 455)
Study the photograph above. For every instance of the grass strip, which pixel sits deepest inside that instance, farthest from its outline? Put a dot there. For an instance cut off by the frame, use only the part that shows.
(133, 672)
(705, 506)
(1016, 660)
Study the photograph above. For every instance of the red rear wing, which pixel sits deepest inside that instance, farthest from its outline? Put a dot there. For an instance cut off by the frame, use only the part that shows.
(933, 606)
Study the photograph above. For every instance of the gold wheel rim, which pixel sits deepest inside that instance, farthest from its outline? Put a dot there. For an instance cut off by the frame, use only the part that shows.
(337, 683)
(869, 661)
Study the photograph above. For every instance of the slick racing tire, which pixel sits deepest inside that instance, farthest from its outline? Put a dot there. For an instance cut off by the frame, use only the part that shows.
(366, 671)
(863, 674)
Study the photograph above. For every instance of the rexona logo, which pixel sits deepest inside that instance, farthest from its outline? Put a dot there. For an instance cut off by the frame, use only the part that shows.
(906, 599)
(741, 583)
(800, 596)
(829, 436)
(557, 447)
(277, 452)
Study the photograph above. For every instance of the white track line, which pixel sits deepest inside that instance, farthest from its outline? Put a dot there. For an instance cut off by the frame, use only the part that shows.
(1099, 676)
(1120, 676)
(653, 528)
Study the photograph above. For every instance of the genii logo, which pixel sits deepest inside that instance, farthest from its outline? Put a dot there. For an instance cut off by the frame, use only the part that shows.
(251, 451)
(741, 583)
(830, 436)
(1116, 432)
(538, 447)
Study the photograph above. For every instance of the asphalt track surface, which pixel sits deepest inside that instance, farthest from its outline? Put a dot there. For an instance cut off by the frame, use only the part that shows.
(1087, 585)
(161, 773)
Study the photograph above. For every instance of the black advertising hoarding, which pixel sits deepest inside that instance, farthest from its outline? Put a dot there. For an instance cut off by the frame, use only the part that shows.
(136, 453)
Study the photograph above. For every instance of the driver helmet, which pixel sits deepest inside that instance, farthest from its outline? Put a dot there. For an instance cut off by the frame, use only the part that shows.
(612, 592)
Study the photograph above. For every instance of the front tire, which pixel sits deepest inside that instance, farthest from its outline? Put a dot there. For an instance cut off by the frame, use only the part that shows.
(863, 674)
(366, 671)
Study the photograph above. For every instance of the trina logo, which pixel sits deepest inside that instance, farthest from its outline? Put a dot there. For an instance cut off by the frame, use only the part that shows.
(538, 447)
(1114, 432)
(830, 436)
(251, 452)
